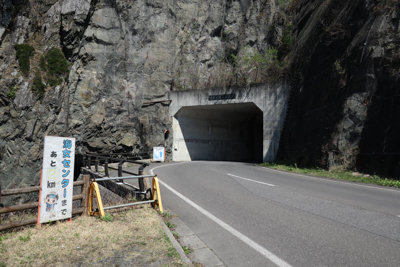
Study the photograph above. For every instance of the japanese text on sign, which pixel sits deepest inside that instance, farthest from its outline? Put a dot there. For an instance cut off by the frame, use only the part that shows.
(57, 178)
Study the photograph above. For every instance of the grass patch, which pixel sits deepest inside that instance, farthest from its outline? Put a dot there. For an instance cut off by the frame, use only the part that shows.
(175, 234)
(169, 224)
(334, 174)
(13, 92)
(131, 165)
(136, 235)
(107, 217)
(187, 250)
(25, 238)
(167, 215)
(172, 253)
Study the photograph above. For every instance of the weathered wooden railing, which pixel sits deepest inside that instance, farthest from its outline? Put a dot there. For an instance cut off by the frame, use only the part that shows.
(84, 197)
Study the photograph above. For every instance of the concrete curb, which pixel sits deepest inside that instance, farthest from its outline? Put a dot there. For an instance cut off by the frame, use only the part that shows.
(200, 252)
(176, 245)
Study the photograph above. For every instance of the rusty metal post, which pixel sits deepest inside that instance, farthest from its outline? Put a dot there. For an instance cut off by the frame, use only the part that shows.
(141, 184)
(85, 193)
(120, 168)
(120, 171)
(90, 163)
(106, 168)
(96, 164)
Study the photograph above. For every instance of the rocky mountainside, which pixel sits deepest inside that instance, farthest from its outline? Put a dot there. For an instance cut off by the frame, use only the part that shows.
(345, 102)
(341, 57)
(122, 55)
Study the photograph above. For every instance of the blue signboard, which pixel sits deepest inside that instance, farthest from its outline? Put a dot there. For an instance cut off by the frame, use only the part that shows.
(158, 154)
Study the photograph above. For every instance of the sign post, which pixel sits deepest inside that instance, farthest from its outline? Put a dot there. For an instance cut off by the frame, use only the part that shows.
(57, 179)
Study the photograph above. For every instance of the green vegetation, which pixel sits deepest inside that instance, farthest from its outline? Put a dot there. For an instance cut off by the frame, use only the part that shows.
(42, 63)
(339, 68)
(169, 224)
(167, 215)
(38, 87)
(56, 66)
(17, 9)
(175, 234)
(12, 93)
(25, 238)
(287, 42)
(107, 218)
(187, 250)
(334, 174)
(240, 68)
(23, 53)
(172, 253)
(252, 67)
(283, 2)
(53, 62)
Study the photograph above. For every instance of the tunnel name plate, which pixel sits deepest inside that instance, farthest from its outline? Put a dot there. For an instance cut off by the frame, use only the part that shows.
(221, 97)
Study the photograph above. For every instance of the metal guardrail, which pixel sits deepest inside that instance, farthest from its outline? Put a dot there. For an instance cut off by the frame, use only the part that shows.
(94, 189)
(125, 177)
(104, 160)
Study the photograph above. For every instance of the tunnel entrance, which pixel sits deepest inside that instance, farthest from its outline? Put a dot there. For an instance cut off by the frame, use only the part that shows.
(226, 132)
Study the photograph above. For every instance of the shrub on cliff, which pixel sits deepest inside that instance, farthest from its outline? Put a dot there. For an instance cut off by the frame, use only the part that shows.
(56, 66)
(42, 63)
(38, 86)
(13, 92)
(254, 66)
(287, 42)
(23, 54)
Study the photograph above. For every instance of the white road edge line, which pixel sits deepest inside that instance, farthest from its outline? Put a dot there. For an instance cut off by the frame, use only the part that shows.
(263, 251)
(331, 180)
(249, 180)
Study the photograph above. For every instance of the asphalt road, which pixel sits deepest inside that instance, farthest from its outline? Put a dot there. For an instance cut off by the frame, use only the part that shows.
(254, 216)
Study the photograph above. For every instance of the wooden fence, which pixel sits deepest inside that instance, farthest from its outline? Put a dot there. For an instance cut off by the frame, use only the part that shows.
(84, 197)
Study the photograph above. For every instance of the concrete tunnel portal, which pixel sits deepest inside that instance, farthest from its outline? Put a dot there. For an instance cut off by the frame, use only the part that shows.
(228, 124)
(225, 132)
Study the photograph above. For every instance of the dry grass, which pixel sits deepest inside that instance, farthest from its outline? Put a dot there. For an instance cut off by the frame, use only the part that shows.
(131, 237)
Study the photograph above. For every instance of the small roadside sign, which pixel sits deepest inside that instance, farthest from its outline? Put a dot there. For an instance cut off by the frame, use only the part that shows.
(56, 190)
(158, 154)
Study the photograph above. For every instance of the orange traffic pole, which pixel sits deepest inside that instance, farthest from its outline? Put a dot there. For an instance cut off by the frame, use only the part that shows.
(38, 225)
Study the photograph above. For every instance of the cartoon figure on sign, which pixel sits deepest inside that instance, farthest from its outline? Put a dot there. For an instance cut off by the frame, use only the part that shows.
(51, 200)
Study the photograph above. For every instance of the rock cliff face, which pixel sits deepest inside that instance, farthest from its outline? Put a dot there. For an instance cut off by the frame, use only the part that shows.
(345, 97)
(342, 57)
(123, 54)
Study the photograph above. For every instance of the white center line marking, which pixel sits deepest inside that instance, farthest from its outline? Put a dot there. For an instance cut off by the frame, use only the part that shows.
(263, 251)
(249, 180)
